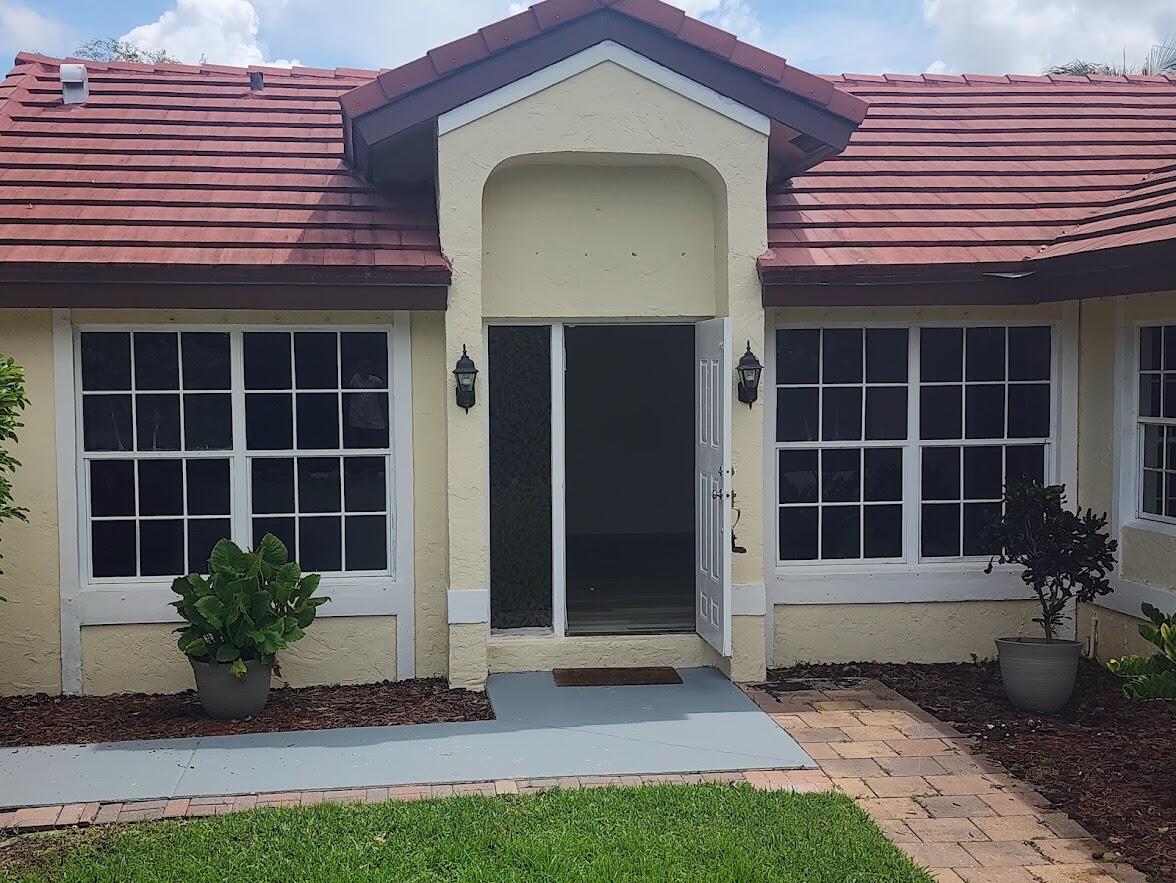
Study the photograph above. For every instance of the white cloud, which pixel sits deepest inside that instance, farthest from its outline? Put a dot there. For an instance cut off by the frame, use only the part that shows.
(218, 31)
(24, 28)
(1026, 36)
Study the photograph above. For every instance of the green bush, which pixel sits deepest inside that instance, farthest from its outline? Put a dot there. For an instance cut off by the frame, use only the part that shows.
(12, 402)
(1151, 677)
(250, 606)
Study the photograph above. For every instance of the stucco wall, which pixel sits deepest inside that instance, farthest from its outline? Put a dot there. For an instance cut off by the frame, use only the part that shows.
(942, 631)
(143, 658)
(30, 637)
(538, 653)
(1108, 634)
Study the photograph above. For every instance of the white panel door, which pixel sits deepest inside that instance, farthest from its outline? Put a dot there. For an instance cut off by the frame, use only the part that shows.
(712, 576)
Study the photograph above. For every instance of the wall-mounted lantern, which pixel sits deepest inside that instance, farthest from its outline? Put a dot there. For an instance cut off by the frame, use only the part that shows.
(465, 372)
(749, 371)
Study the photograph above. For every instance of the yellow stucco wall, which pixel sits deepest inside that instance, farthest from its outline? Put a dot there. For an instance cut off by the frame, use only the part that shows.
(143, 658)
(539, 653)
(30, 637)
(942, 631)
(1108, 634)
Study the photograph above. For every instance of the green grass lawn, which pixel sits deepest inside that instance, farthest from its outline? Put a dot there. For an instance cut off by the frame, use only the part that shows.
(690, 833)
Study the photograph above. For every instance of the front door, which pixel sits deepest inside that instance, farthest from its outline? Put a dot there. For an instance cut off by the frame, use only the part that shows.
(713, 482)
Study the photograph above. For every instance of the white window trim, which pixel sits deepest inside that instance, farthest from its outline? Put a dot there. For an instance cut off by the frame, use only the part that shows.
(873, 582)
(1129, 441)
(147, 599)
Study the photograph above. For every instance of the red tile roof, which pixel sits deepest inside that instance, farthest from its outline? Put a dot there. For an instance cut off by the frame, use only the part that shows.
(982, 171)
(179, 165)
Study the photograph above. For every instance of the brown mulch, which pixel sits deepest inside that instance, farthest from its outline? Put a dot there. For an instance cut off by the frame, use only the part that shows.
(1108, 763)
(57, 720)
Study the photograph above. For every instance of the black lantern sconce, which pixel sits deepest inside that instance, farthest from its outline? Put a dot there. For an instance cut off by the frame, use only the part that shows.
(749, 371)
(465, 372)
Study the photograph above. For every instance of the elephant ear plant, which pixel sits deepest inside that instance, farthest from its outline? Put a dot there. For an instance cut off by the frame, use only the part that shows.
(1151, 677)
(12, 402)
(251, 606)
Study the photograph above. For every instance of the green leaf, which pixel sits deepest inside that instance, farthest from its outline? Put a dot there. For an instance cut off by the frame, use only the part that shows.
(211, 608)
(238, 669)
(273, 551)
(226, 557)
(227, 653)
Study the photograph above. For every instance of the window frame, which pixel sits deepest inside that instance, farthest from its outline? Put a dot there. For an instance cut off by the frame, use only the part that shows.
(240, 457)
(912, 560)
(1136, 426)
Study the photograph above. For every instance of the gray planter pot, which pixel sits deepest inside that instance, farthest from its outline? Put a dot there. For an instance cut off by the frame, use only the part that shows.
(224, 696)
(1038, 675)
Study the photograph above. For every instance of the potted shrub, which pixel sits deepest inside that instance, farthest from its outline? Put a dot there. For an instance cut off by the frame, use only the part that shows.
(250, 606)
(1151, 677)
(1066, 557)
(12, 402)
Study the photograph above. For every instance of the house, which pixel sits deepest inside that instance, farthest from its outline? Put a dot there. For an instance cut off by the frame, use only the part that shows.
(240, 297)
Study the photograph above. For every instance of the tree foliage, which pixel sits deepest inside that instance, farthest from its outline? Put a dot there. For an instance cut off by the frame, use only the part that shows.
(112, 49)
(1160, 60)
(12, 403)
(1064, 554)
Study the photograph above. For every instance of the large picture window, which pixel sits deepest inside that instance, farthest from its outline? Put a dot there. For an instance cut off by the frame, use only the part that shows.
(193, 435)
(1157, 423)
(883, 429)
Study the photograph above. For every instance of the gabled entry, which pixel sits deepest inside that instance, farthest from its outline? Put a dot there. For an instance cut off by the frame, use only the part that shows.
(713, 483)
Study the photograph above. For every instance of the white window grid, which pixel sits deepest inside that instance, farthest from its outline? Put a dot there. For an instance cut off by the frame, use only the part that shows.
(240, 469)
(1167, 425)
(912, 447)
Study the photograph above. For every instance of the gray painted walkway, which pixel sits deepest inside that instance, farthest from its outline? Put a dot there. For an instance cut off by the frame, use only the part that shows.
(542, 731)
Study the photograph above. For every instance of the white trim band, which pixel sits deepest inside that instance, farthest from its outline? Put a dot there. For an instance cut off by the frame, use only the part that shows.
(896, 588)
(749, 600)
(468, 606)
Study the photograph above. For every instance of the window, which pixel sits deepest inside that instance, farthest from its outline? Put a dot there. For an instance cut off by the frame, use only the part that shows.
(1157, 422)
(881, 428)
(194, 435)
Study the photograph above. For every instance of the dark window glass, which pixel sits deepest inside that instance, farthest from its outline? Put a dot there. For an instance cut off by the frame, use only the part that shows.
(1029, 411)
(365, 485)
(886, 413)
(1170, 496)
(941, 354)
(886, 355)
(842, 355)
(985, 411)
(158, 422)
(269, 421)
(941, 530)
(798, 476)
(841, 532)
(1030, 353)
(1153, 447)
(161, 487)
(267, 360)
(983, 469)
(367, 543)
(364, 360)
(106, 423)
(365, 420)
(106, 360)
(985, 354)
(1153, 492)
(319, 485)
(283, 529)
(318, 421)
(1170, 395)
(796, 414)
(1151, 348)
(206, 359)
(320, 544)
(940, 412)
(1171, 447)
(883, 532)
(798, 355)
(1150, 391)
(273, 486)
(841, 476)
(161, 548)
(157, 360)
(316, 362)
(112, 548)
(1170, 347)
(841, 419)
(798, 533)
(941, 473)
(208, 487)
(203, 534)
(1025, 462)
(112, 487)
(883, 475)
(208, 422)
(978, 518)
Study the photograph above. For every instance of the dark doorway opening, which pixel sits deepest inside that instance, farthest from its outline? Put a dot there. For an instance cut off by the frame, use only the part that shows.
(629, 460)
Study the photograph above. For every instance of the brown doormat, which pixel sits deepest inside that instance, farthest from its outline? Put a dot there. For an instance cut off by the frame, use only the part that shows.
(615, 677)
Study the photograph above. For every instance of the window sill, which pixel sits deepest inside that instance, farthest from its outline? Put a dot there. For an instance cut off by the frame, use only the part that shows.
(1146, 525)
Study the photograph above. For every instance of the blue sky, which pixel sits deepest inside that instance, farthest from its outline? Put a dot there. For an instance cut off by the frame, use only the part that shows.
(867, 36)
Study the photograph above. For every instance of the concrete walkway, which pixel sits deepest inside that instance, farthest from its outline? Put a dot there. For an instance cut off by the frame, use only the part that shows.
(541, 731)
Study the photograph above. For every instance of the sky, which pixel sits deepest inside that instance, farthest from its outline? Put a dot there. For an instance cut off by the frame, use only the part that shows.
(821, 36)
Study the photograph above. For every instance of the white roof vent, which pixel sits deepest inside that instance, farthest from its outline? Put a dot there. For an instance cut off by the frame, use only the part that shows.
(75, 83)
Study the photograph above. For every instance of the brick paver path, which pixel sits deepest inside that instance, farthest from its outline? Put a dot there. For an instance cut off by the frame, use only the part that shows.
(962, 817)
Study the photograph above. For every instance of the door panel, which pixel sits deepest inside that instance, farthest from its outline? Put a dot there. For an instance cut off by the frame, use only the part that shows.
(713, 471)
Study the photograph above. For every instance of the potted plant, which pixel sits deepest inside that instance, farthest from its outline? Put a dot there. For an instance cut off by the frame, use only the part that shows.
(250, 606)
(1066, 556)
(1151, 677)
(12, 402)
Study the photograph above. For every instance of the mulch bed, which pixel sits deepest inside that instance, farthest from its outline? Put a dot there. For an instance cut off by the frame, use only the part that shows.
(1110, 764)
(57, 720)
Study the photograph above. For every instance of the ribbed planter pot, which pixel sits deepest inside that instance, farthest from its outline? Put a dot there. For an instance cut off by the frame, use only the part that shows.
(224, 696)
(1038, 675)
